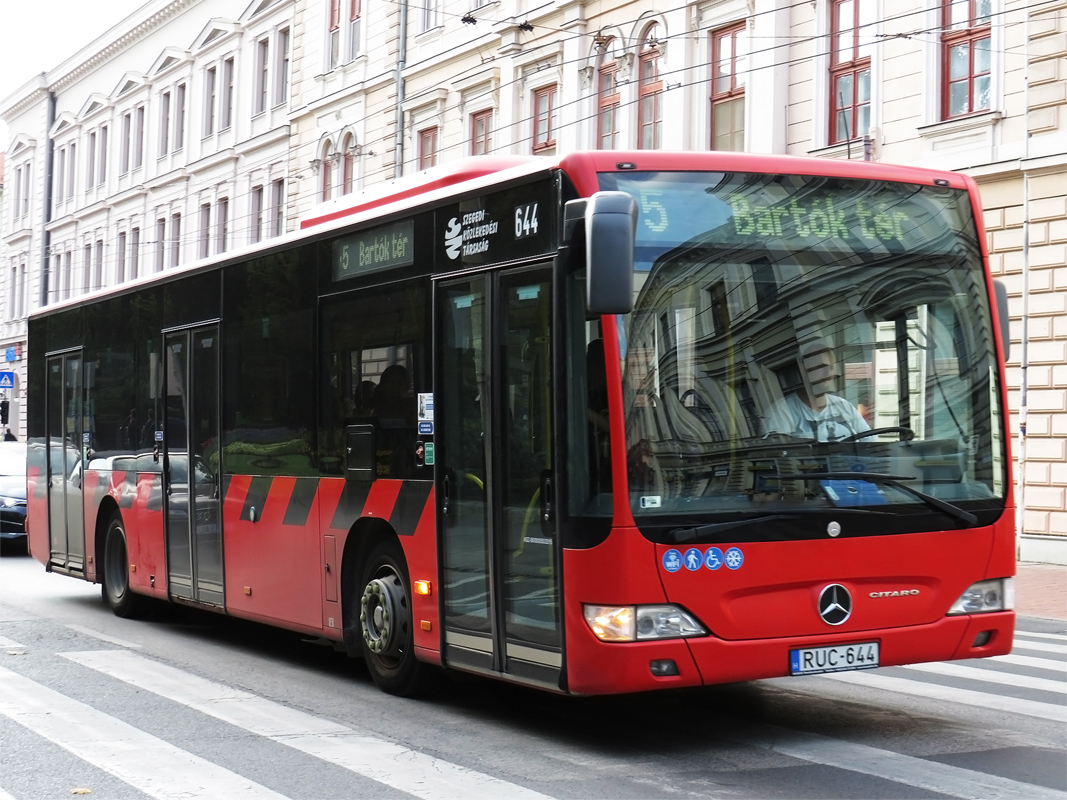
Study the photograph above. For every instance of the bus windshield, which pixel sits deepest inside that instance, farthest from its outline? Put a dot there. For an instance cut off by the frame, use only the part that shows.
(806, 342)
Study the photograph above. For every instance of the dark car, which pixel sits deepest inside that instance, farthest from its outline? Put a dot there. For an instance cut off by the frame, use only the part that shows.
(13, 493)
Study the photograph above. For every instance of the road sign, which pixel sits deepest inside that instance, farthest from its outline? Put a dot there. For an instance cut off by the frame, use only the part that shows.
(7, 380)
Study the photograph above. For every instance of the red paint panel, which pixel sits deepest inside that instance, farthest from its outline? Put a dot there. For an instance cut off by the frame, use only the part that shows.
(37, 514)
(775, 591)
(280, 564)
(382, 499)
(420, 550)
(144, 533)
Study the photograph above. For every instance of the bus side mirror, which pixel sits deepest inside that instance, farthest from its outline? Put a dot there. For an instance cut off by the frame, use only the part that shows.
(1001, 291)
(610, 226)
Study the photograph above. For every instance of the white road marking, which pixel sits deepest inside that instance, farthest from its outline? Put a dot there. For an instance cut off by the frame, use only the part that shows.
(151, 765)
(391, 764)
(102, 636)
(1031, 661)
(1041, 647)
(990, 676)
(909, 770)
(5, 642)
(1012, 705)
(1059, 637)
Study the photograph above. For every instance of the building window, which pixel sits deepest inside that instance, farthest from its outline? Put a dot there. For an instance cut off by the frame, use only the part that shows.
(429, 14)
(222, 224)
(120, 258)
(728, 68)
(126, 145)
(335, 34)
(72, 165)
(135, 252)
(481, 132)
(164, 124)
(965, 57)
(255, 216)
(850, 69)
(226, 106)
(326, 172)
(649, 89)
(348, 164)
(101, 174)
(179, 117)
(355, 17)
(544, 118)
(277, 206)
(90, 164)
(68, 268)
(58, 177)
(98, 265)
(205, 231)
(87, 267)
(138, 136)
(161, 244)
(209, 101)
(281, 91)
(428, 148)
(175, 239)
(262, 61)
(608, 99)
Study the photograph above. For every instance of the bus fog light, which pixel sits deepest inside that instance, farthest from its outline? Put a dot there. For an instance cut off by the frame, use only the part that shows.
(985, 596)
(666, 622)
(611, 623)
(663, 667)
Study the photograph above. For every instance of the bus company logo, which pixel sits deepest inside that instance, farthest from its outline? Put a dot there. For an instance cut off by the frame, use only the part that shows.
(835, 604)
(895, 593)
(453, 238)
(470, 234)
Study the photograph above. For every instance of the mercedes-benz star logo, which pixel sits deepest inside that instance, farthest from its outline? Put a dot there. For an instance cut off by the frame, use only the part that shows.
(835, 604)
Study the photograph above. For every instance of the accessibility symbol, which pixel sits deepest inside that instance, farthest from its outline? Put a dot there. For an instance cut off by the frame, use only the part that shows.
(693, 559)
(734, 558)
(672, 560)
(713, 558)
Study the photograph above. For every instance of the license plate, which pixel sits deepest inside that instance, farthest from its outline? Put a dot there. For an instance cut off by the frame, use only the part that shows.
(838, 658)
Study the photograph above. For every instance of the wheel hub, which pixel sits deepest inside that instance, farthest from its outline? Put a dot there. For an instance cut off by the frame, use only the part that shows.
(377, 616)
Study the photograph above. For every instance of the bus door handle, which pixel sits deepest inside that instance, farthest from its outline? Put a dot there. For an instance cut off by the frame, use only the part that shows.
(446, 495)
(547, 497)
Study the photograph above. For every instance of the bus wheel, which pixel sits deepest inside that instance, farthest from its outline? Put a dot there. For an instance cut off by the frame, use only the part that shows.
(115, 587)
(385, 625)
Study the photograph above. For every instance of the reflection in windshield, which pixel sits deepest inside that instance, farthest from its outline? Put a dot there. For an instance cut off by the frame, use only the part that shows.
(787, 327)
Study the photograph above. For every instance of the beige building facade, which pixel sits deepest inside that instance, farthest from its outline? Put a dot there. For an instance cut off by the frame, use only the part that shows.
(378, 91)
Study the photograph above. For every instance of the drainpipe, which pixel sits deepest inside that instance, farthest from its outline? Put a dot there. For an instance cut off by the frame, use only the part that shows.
(401, 59)
(46, 216)
(1020, 512)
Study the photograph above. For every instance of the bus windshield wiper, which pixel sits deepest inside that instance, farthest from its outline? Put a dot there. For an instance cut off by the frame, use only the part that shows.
(882, 479)
(681, 535)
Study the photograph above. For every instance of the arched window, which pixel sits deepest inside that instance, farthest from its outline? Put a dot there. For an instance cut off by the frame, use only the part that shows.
(607, 94)
(348, 163)
(326, 170)
(649, 88)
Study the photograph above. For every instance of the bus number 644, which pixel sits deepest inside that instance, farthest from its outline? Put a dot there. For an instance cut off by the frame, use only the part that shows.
(525, 220)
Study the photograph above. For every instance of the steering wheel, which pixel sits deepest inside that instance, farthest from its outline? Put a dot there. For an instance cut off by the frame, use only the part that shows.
(906, 434)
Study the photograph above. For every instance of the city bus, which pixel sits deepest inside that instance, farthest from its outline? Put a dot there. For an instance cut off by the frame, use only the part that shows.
(601, 423)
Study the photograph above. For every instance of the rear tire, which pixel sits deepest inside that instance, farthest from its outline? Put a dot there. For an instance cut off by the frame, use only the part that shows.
(115, 586)
(383, 610)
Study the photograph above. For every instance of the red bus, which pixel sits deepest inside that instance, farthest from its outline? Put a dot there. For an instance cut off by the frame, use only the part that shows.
(610, 422)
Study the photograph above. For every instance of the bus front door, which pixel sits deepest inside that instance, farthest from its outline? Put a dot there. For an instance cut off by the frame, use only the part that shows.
(66, 457)
(191, 465)
(494, 425)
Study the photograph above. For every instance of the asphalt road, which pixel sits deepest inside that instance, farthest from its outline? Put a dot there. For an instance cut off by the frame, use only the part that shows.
(194, 705)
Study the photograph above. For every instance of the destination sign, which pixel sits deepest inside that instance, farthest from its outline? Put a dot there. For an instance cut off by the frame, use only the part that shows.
(375, 249)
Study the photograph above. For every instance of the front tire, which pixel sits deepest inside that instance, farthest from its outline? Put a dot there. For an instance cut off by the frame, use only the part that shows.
(383, 608)
(115, 587)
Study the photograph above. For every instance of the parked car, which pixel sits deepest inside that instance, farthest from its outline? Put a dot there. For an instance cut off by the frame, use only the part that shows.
(13, 493)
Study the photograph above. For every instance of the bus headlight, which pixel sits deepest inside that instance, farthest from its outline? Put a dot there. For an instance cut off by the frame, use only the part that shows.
(995, 595)
(640, 623)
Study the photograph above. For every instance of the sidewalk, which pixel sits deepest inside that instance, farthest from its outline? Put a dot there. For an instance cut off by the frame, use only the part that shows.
(1041, 590)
